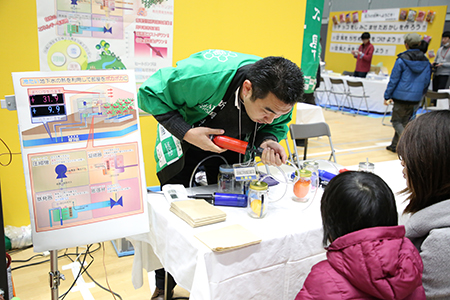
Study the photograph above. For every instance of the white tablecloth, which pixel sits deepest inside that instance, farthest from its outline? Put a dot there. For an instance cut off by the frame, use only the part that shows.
(374, 90)
(276, 268)
(308, 113)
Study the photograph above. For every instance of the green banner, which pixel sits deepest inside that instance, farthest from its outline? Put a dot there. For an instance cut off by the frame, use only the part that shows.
(311, 46)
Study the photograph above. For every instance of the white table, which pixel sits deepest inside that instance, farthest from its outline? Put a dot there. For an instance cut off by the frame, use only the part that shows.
(276, 268)
(374, 90)
(308, 113)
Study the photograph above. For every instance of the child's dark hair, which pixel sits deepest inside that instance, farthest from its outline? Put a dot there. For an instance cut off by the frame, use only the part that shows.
(356, 200)
(365, 36)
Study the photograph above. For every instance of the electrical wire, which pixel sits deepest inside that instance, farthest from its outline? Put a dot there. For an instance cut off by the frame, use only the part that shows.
(8, 153)
(42, 261)
(27, 260)
(80, 272)
(106, 273)
(198, 165)
(89, 275)
(65, 254)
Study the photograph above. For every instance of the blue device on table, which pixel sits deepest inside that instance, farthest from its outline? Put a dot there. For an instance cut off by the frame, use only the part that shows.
(223, 199)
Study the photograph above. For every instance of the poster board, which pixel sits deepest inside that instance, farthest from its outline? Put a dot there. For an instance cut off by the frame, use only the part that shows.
(98, 35)
(82, 156)
(386, 29)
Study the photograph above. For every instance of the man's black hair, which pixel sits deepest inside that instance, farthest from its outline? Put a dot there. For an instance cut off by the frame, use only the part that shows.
(446, 34)
(279, 76)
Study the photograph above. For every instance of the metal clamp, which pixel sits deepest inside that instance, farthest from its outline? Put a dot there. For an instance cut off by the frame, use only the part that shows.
(55, 279)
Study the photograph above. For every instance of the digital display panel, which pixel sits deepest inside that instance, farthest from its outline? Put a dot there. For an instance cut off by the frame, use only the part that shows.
(46, 99)
(49, 110)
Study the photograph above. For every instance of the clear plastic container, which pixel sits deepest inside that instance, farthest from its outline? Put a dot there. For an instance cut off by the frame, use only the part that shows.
(226, 180)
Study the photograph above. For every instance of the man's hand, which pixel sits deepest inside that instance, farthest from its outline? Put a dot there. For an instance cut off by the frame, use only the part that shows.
(388, 101)
(273, 153)
(200, 137)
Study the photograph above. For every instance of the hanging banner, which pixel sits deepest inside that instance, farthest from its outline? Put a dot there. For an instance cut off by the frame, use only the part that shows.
(311, 43)
(97, 35)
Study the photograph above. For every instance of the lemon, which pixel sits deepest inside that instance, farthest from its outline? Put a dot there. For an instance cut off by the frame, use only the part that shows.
(255, 205)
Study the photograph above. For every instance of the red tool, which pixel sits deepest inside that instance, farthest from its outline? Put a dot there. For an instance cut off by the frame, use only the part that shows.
(235, 145)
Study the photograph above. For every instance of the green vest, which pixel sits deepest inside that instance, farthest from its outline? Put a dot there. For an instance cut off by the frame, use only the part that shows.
(194, 88)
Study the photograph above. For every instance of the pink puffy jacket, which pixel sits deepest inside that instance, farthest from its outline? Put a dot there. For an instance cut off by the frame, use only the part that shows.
(373, 263)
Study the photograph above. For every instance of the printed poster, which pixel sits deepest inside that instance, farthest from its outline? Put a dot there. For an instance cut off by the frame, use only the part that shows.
(103, 34)
(82, 156)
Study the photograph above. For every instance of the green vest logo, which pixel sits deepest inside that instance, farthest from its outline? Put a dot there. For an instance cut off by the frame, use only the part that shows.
(220, 55)
(207, 108)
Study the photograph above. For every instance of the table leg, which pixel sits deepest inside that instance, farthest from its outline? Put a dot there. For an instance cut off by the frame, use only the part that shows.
(169, 285)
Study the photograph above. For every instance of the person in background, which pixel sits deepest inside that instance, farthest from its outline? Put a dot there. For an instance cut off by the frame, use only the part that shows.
(217, 92)
(442, 64)
(408, 82)
(423, 46)
(363, 56)
(369, 256)
(423, 151)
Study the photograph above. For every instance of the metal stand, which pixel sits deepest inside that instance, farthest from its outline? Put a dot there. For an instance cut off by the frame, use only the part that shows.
(55, 276)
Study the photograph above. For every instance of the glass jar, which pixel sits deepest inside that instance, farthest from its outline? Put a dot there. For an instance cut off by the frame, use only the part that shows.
(303, 186)
(226, 180)
(312, 166)
(366, 167)
(257, 199)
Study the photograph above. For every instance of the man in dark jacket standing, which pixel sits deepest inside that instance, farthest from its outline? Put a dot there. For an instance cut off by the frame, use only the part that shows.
(408, 83)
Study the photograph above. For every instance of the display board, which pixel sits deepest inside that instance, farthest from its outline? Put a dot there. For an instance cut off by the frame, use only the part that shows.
(82, 156)
(386, 27)
(98, 35)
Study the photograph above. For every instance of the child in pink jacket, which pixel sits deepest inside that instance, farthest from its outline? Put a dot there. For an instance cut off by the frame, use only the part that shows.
(369, 256)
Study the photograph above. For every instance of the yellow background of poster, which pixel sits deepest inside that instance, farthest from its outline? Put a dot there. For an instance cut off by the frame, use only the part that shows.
(339, 62)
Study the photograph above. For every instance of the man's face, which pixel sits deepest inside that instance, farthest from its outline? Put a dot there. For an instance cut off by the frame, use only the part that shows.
(445, 40)
(265, 110)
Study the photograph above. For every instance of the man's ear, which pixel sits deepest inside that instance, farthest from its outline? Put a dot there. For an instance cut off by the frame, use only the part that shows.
(247, 88)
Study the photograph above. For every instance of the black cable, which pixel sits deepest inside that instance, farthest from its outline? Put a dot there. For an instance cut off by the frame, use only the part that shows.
(26, 260)
(79, 272)
(98, 284)
(83, 269)
(8, 153)
(37, 263)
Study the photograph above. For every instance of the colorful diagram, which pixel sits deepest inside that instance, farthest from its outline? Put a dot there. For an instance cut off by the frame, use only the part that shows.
(85, 185)
(66, 115)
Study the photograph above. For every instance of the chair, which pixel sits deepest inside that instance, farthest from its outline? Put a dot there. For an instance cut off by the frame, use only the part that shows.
(384, 115)
(337, 88)
(356, 90)
(434, 95)
(305, 131)
(322, 88)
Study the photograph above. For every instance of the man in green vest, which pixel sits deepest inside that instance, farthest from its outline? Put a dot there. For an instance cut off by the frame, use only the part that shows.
(217, 92)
